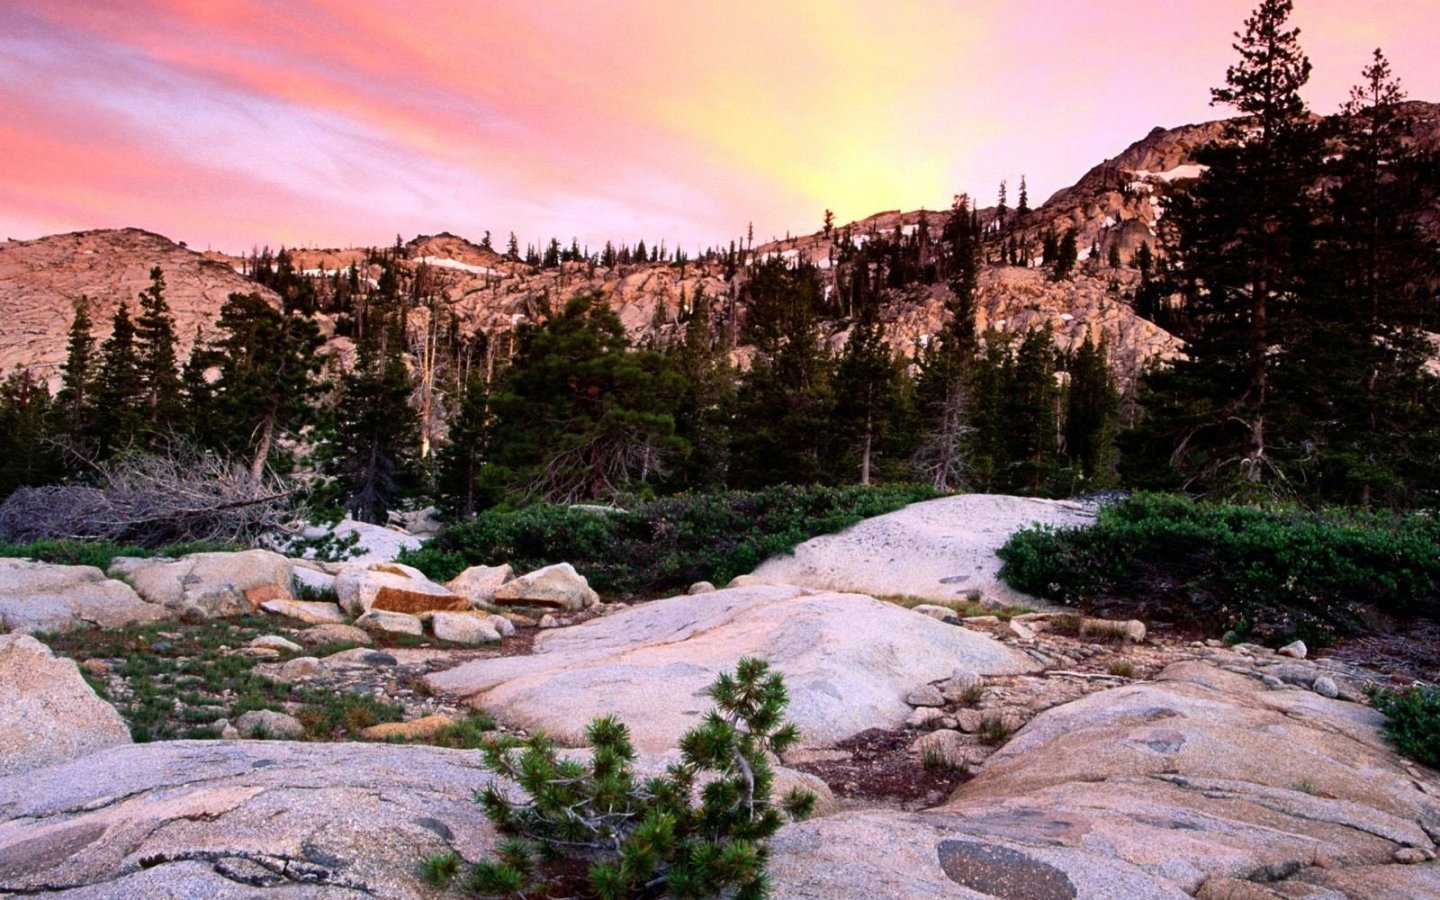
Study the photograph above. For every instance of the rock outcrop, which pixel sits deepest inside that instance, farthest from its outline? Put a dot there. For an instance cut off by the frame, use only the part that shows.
(38, 597)
(48, 714)
(555, 587)
(208, 585)
(940, 550)
(1172, 789)
(392, 587)
(849, 661)
(239, 819)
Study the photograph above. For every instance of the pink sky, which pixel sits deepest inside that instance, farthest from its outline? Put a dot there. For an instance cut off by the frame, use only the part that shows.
(237, 123)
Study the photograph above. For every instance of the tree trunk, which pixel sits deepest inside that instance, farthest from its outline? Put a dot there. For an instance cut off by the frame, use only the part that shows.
(865, 453)
(262, 450)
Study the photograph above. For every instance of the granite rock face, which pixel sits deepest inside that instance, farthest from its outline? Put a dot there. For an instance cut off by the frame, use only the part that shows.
(849, 662)
(48, 714)
(1181, 787)
(37, 597)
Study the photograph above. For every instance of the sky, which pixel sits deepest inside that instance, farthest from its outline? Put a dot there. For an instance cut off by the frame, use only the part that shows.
(233, 124)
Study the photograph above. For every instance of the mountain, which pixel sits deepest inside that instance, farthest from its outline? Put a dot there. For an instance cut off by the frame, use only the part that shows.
(40, 281)
(1118, 203)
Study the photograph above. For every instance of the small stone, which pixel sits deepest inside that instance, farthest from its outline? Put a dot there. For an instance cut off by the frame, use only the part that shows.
(968, 720)
(276, 642)
(1294, 650)
(260, 652)
(390, 622)
(1326, 687)
(273, 725)
(311, 612)
(334, 634)
(926, 695)
(464, 628)
(549, 621)
(479, 583)
(1409, 856)
(948, 747)
(948, 722)
(924, 717)
(229, 733)
(96, 666)
(982, 620)
(502, 624)
(936, 612)
(358, 658)
(300, 668)
(1022, 631)
(701, 587)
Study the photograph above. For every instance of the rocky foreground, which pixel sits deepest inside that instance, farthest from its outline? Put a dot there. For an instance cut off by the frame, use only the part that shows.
(1092, 759)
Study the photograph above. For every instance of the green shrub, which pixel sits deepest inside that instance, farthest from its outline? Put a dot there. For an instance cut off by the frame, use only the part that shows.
(1263, 573)
(1412, 721)
(642, 837)
(660, 545)
(100, 553)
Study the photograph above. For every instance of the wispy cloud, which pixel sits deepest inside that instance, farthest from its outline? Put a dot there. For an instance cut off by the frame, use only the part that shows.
(234, 122)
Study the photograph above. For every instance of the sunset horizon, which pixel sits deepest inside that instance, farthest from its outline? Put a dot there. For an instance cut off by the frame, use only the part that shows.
(317, 124)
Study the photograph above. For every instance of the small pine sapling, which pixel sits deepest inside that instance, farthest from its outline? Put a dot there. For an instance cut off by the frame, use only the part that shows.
(699, 829)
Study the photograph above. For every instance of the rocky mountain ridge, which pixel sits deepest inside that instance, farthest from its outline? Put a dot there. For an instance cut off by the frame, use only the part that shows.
(1118, 203)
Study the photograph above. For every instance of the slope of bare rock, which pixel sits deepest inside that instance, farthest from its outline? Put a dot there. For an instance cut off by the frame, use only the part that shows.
(1172, 788)
(848, 660)
(940, 549)
(212, 818)
(41, 280)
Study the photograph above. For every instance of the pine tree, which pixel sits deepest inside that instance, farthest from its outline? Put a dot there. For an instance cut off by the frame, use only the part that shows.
(462, 458)
(1023, 206)
(1246, 237)
(1032, 440)
(1091, 404)
(376, 436)
(579, 417)
(155, 352)
(866, 391)
(705, 407)
(119, 389)
(75, 404)
(784, 399)
(27, 457)
(1066, 255)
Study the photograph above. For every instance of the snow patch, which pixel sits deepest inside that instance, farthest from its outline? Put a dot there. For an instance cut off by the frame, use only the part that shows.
(442, 262)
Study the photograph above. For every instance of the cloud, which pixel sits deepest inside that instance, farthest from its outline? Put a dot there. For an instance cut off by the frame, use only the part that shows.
(236, 122)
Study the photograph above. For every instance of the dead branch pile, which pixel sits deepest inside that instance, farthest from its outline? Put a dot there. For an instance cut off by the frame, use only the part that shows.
(150, 500)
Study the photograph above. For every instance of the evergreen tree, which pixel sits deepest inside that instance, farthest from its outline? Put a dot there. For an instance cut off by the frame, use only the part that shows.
(1245, 243)
(75, 404)
(1066, 255)
(155, 353)
(784, 399)
(866, 391)
(462, 458)
(27, 456)
(119, 388)
(376, 436)
(1114, 261)
(1363, 396)
(1091, 404)
(578, 416)
(1023, 205)
(706, 404)
(1032, 408)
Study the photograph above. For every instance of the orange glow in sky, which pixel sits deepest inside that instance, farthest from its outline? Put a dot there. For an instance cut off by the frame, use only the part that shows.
(237, 123)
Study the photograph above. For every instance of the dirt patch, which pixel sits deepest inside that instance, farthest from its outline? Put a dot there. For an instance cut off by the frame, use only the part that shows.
(881, 771)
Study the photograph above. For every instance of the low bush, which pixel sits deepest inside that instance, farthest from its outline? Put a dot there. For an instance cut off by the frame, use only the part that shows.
(101, 553)
(661, 545)
(1412, 721)
(1260, 573)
